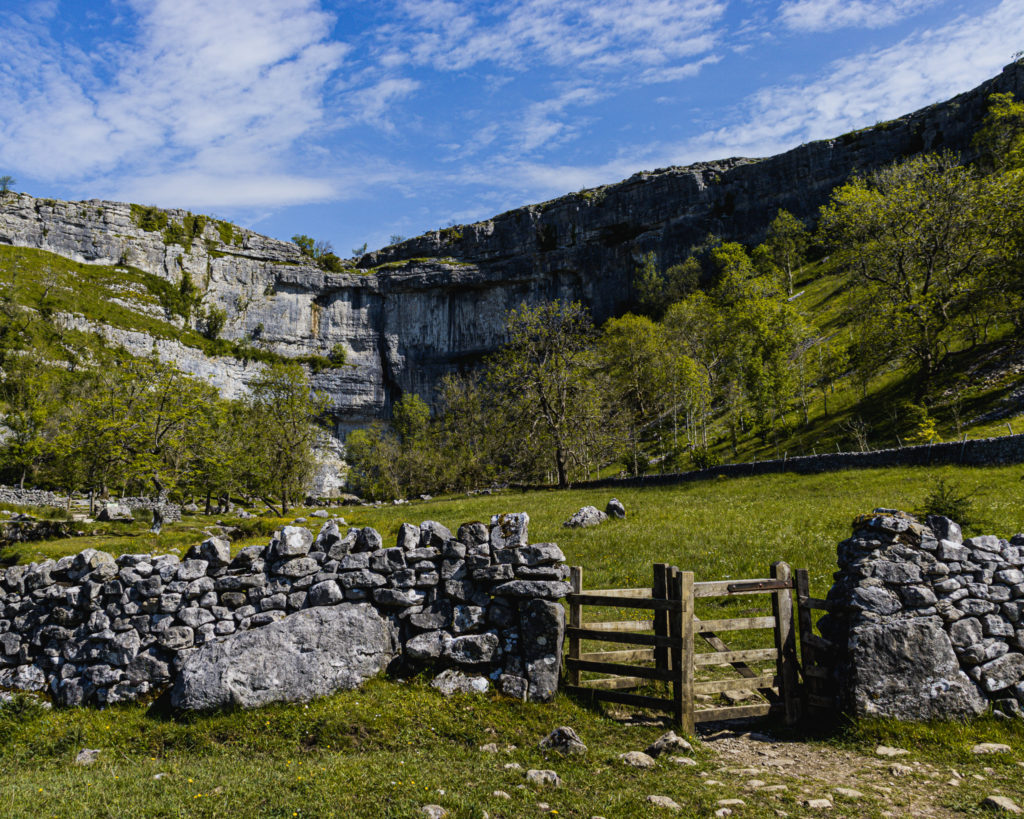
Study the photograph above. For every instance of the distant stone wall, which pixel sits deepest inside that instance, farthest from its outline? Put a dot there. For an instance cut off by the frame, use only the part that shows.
(91, 628)
(42, 497)
(927, 625)
(1007, 449)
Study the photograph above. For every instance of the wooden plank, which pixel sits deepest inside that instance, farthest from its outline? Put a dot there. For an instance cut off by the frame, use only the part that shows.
(588, 599)
(736, 712)
(626, 655)
(622, 592)
(785, 641)
(648, 673)
(659, 591)
(732, 657)
(613, 683)
(619, 625)
(734, 684)
(805, 622)
(617, 637)
(736, 624)
(824, 703)
(681, 625)
(817, 672)
(638, 700)
(716, 643)
(724, 588)
(575, 620)
(813, 602)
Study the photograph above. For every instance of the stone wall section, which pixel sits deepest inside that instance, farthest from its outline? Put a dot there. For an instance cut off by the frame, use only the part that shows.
(928, 625)
(91, 628)
(1005, 449)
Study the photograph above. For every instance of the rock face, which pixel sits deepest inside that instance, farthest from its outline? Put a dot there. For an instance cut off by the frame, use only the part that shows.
(585, 517)
(308, 654)
(410, 313)
(927, 625)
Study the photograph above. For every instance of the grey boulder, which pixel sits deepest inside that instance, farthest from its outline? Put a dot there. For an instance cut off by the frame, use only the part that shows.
(587, 516)
(308, 654)
(906, 669)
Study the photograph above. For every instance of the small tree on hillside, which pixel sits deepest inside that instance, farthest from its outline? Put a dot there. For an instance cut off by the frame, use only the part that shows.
(6, 183)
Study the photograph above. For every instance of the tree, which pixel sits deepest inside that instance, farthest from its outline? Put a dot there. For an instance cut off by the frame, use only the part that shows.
(634, 355)
(542, 379)
(657, 289)
(283, 411)
(787, 245)
(918, 238)
(6, 183)
(1000, 140)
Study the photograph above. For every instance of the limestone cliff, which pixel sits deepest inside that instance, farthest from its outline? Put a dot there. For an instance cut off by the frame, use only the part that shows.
(409, 313)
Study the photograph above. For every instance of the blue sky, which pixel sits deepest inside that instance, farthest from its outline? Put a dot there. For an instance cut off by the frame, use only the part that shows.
(353, 120)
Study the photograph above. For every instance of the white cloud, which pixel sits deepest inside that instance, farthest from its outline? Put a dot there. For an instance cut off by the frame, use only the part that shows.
(371, 104)
(205, 91)
(881, 84)
(828, 15)
(578, 34)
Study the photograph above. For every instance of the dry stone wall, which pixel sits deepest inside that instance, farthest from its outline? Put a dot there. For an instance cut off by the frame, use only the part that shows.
(927, 625)
(91, 628)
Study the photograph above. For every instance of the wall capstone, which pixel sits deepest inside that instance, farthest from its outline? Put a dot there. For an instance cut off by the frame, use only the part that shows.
(92, 629)
(927, 625)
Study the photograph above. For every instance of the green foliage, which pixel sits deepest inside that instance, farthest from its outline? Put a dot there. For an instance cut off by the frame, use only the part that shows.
(214, 319)
(338, 356)
(6, 183)
(787, 244)
(228, 234)
(149, 218)
(395, 238)
(450, 234)
(1001, 137)
(948, 498)
(359, 251)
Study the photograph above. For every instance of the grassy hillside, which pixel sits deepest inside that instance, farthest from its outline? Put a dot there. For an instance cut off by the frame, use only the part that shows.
(395, 746)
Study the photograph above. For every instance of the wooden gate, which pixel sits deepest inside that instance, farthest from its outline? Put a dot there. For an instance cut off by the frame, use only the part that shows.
(662, 649)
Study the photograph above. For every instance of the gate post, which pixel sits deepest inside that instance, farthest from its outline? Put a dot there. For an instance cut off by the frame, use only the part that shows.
(681, 630)
(785, 643)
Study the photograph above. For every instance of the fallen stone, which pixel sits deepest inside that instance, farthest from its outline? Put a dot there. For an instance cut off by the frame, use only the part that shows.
(308, 654)
(896, 769)
(586, 517)
(817, 804)
(433, 811)
(1002, 803)
(565, 741)
(543, 778)
(87, 756)
(990, 748)
(664, 802)
(682, 760)
(637, 759)
(115, 513)
(615, 509)
(667, 743)
(848, 793)
(886, 750)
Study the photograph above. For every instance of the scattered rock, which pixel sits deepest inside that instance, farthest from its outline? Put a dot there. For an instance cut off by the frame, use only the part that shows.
(115, 512)
(886, 750)
(565, 741)
(896, 769)
(637, 759)
(1002, 803)
(682, 760)
(990, 748)
(587, 516)
(668, 742)
(615, 509)
(501, 795)
(433, 811)
(731, 803)
(664, 802)
(543, 778)
(817, 804)
(848, 793)
(87, 756)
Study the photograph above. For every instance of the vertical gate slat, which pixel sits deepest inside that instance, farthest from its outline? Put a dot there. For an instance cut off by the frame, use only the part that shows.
(575, 620)
(660, 591)
(785, 642)
(681, 628)
(806, 624)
